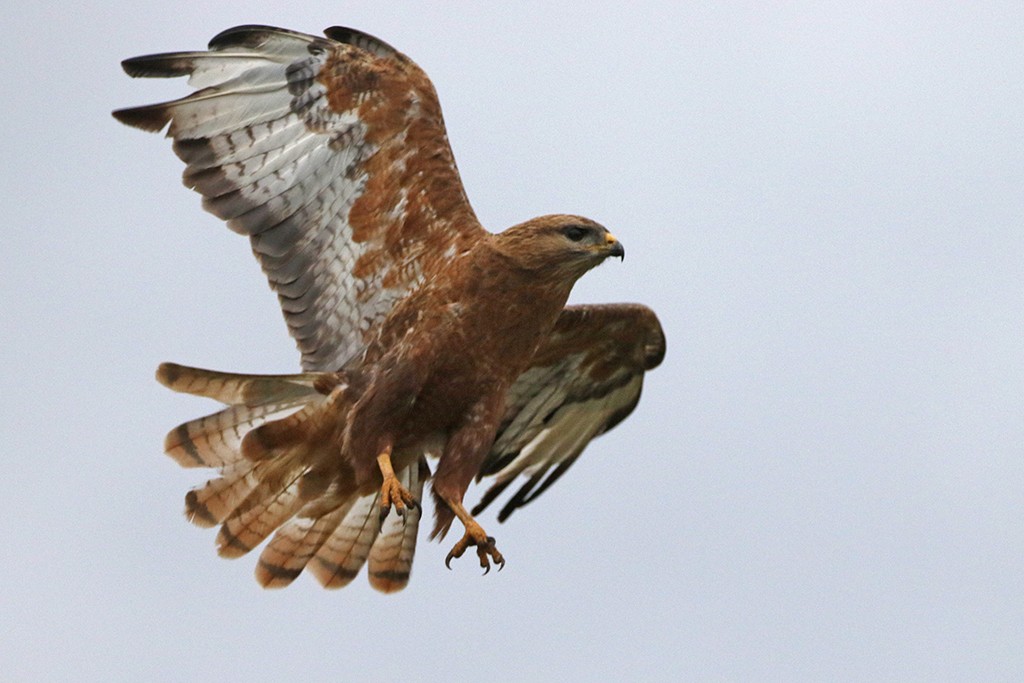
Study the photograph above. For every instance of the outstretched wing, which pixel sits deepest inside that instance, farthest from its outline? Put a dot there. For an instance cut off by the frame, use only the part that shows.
(331, 155)
(585, 379)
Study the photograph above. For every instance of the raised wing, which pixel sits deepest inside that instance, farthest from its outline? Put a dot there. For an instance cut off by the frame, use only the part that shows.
(331, 155)
(584, 380)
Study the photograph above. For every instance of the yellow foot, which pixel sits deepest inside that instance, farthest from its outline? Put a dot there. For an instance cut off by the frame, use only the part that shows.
(476, 536)
(393, 493)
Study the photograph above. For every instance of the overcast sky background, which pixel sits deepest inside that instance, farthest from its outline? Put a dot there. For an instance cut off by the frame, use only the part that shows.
(823, 203)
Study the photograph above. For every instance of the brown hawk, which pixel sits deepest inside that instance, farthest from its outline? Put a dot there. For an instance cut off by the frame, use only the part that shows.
(422, 335)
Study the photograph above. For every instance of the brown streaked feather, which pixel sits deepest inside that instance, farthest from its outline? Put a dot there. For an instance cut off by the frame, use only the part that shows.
(271, 502)
(278, 436)
(344, 553)
(232, 388)
(216, 440)
(210, 504)
(317, 428)
(331, 154)
(290, 480)
(294, 545)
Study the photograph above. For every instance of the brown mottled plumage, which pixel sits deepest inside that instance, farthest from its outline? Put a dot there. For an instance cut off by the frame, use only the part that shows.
(422, 334)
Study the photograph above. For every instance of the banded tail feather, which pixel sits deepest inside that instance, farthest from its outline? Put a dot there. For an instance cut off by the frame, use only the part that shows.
(271, 503)
(295, 543)
(215, 440)
(210, 504)
(278, 475)
(390, 561)
(344, 552)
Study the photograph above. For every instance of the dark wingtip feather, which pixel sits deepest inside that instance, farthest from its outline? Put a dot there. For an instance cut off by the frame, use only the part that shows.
(493, 492)
(654, 349)
(152, 117)
(364, 41)
(521, 497)
(196, 152)
(249, 36)
(164, 65)
(530, 491)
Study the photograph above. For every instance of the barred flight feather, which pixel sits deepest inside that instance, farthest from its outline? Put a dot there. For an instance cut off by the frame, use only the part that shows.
(283, 140)
(586, 378)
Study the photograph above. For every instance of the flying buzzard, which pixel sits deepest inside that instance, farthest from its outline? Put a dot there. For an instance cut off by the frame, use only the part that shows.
(422, 335)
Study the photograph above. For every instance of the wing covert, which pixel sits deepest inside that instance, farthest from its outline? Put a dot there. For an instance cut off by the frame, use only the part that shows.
(331, 155)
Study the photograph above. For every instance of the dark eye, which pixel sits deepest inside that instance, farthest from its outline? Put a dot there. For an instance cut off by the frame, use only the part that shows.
(575, 233)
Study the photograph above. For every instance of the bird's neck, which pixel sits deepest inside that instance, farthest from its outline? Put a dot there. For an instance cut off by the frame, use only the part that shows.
(510, 309)
(505, 285)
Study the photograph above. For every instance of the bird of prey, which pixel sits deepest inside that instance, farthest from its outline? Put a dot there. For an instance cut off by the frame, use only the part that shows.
(423, 336)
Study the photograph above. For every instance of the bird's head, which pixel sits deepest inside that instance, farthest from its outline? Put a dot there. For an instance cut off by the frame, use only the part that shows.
(558, 244)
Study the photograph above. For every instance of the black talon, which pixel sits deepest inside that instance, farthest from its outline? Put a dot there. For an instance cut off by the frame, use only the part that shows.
(485, 550)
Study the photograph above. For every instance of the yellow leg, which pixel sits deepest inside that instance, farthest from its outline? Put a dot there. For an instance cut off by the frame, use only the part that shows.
(391, 491)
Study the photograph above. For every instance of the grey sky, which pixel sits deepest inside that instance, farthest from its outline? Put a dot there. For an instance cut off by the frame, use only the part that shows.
(823, 203)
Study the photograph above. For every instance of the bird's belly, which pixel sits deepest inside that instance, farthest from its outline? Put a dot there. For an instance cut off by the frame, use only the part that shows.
(444, 402)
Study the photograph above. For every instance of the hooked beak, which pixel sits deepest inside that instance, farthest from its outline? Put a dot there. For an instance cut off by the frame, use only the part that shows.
(614, 247)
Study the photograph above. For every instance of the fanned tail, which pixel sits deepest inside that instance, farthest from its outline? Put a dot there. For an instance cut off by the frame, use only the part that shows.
(276, 449)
